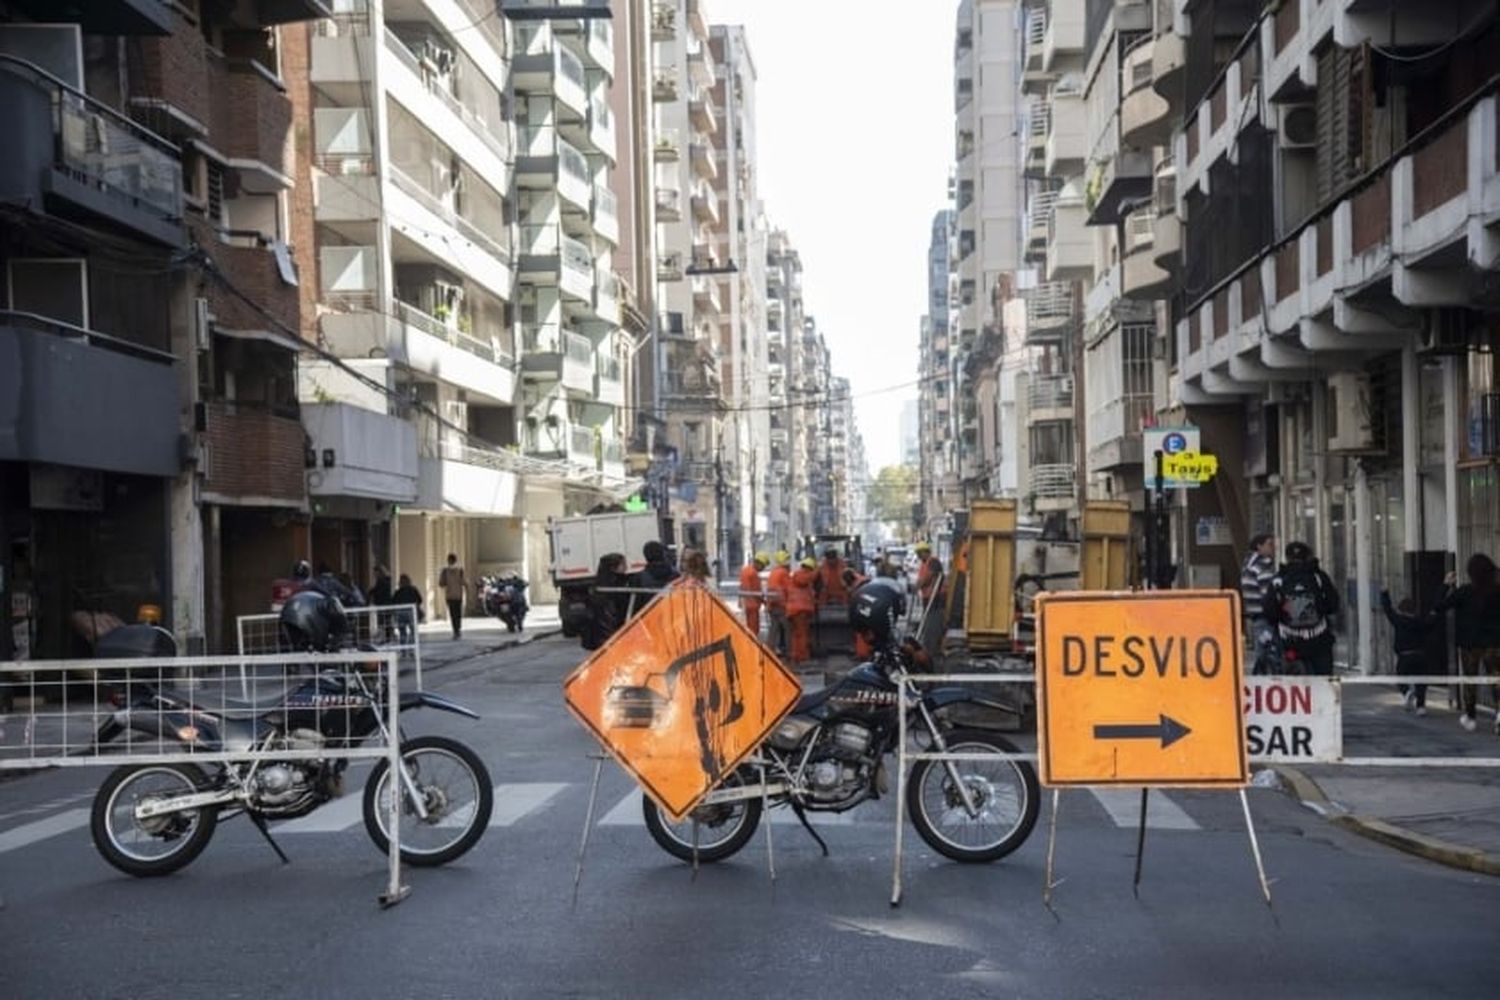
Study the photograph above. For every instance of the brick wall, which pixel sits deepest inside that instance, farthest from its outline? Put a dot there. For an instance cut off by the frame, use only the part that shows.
(1371, 211)
(254, 453)
(175, 69)
(1440, 169)
(252, 270)
(257, 122)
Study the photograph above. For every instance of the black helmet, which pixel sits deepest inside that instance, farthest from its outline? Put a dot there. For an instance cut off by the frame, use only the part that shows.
(874, 612)
(313, 622)
(1298, 552)
(302, 571)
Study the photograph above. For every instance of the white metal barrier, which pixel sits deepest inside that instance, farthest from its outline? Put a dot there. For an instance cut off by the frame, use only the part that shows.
(190, 710)
(386, 627)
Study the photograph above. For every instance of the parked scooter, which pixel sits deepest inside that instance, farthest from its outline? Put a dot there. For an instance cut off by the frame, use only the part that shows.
(504, 597)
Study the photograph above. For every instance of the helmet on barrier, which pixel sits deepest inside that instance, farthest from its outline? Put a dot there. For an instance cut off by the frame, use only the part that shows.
(874, 612)
(313, 622)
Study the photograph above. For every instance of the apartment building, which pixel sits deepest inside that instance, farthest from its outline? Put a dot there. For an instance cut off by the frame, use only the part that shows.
(790, 515)
(152, 451)
(938, 466)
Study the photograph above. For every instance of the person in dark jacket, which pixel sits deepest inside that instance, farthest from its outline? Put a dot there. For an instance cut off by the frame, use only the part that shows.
(1476, 627)
(407, 594)
(607, 611)
(1301, 602)
(1409, 639)
(659, 571)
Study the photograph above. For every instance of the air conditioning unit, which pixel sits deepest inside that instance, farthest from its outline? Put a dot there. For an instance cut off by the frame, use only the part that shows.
(1353, 414)
(1297, 126)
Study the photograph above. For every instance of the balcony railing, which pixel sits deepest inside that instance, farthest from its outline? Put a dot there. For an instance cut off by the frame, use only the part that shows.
(1050, 302)
(1140, 230)
(668, 147)
(103, 147)
(606, 205)
(482, 15)
(607, 367)
(577, 347)
(1053, 482)
(1050, 392)
(447, 213)
(490, 350)
(581, 443)
(664, 84)
(663, 21)
(477, 124)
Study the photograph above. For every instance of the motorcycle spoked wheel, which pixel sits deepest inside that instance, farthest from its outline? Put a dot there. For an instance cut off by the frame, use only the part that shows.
(456, 791)
(1009, 798)
(722, 829)
(151, 847)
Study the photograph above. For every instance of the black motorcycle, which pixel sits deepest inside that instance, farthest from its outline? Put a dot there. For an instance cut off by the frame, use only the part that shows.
(154, 818)
(828, 755)
(505, 598)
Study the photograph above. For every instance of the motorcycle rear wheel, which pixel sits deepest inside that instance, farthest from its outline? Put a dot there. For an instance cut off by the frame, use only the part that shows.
(152, 847)
(455, 786)
(1008, 793)
(723, 830)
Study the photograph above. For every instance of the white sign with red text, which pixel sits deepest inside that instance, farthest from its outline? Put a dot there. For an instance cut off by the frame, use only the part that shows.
(1293, 719)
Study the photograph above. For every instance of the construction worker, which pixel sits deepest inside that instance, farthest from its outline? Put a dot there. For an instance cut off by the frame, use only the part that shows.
(777, 586)
(930, 575)
(830, 587)
(801, 606)
(750, 590)
(853, 581)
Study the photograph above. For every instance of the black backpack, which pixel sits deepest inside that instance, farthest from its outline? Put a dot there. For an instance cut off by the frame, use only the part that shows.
(1304, 599)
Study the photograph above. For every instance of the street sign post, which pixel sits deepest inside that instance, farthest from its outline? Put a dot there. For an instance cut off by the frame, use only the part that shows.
(1170, 441)
(681, 696)
(1141, 689)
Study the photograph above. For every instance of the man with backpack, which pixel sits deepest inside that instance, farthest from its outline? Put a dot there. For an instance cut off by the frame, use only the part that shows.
(1300, 602)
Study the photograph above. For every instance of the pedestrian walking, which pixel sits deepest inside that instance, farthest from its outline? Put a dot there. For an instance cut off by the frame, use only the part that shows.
(751, 597)
(406, 594)
(1409, 639)
(1255, 576)
(658, 572)
(801, 606)
(454, 586)
(778, 585)
(1300, 602)
(1476, 628)
(694, 571)
(380, 596)
(607, 611)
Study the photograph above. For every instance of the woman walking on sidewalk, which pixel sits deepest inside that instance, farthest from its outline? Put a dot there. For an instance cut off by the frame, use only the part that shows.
(1410, 637)
(1476, 620)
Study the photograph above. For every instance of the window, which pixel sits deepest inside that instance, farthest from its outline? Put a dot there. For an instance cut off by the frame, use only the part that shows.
(56, 288)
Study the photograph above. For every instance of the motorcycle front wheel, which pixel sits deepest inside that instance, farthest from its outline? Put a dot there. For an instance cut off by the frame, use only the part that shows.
(456, 793)
(160, 845)
(722, 830)
(1005, 793)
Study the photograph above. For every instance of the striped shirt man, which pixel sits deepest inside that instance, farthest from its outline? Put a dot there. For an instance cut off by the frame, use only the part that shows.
(1259, 569)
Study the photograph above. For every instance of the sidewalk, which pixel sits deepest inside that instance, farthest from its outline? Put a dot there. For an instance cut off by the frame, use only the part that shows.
(1446, 814)
(482, 635)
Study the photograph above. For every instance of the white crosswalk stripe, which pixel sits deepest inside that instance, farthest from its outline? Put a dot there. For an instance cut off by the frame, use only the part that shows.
(42, 829)
(340, 814)
(1124, 807)
(628, 813)
(514, 803)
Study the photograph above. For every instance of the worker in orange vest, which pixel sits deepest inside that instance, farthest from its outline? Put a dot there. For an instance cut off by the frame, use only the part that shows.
(777, 586)
(863, 650)
(750, 591)
(831, 588)
(801, 606)
(930, 576)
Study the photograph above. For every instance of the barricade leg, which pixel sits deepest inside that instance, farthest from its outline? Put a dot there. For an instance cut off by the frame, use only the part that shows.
(588, 824)
(1140, 843)
(1260, 868)
(395, 892)
(1050, 883)
(900, 795)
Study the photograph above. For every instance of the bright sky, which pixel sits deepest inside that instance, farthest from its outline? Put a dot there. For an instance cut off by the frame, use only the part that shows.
(855, 134)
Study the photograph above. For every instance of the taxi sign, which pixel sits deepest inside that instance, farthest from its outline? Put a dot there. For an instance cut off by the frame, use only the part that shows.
(1189, 467)
(1141, 689)
(681, 696)
(1169, 441)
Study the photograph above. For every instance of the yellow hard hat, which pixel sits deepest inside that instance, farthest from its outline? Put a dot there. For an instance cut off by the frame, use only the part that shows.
(783, 558)
(761, 559)
(923, 547)
(809, 563)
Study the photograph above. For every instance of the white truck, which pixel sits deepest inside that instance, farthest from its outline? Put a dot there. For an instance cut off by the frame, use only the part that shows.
(578, 543)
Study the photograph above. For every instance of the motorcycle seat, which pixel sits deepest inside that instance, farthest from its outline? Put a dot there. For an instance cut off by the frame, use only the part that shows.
(228, 706)
(812, 700)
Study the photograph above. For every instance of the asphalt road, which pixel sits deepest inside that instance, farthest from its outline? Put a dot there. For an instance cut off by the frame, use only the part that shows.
(1350, 918)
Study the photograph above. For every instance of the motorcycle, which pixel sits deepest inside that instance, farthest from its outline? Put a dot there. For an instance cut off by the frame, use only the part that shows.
(828, 755)
(153, 819)
(504, 598)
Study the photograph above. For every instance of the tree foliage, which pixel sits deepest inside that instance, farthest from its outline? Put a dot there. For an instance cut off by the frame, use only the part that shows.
(893, 494)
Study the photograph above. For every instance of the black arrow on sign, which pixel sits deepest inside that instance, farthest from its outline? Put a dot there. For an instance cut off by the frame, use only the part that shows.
(1168, 730)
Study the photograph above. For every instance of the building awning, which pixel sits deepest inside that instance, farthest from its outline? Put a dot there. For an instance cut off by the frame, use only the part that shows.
(274, 337)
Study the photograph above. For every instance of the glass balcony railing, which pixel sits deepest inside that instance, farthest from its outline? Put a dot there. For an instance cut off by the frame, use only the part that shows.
(487, 348)
(606, 205)
(577, 347)
(445, 209)
(607, 367)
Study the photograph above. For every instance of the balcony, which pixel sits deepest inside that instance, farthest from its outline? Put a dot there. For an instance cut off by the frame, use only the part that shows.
(1049, 397)
(1145, 116)
(254, 455)
(1053, 486)
(1140, 277)
(435, 224)
(607, 297)
(1037, 213)
(601, 131)
(1050, 311)
(1038, 125)
(705, 162)
(1067, 137)
(419, 88)
(543, 65)
(1063, 38)
(705, 204)
(697, 19)
(258, 127)
(561, 441)
(668, 204)
(609, 386)
(1168, 56)
(84, 159)
(1167, 228)
(701, 67)
(374, 454)
(1070, 245)
(699, 380)
(552, 354)
(606, 214)
(664, 88)
(456, 478)
(252, 264)
(670, 267)
(706, 294)
(668, 147)
(546, 160)
(663, 21)
(1036, 37)
(81, 398)
(701, 112)
(109, 17)
(612, 458)
(551, 257)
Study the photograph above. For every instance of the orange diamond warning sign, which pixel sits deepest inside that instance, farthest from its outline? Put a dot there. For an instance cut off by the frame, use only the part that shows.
(681, 696)
(1140, 689)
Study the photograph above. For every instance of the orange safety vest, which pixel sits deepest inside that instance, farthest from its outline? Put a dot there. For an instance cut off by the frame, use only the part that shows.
(832, 574)
(750, 587)
(777, 585)
(929, 576)
(799, 598)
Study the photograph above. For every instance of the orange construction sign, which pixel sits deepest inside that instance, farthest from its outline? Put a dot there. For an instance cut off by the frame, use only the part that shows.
(1141, 689)
(681, 696)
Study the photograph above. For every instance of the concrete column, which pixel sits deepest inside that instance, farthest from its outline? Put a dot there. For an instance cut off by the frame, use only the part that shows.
(1411, 446)
(1363, 542)
(1322, 543)
(185, 526)
(1452, 421)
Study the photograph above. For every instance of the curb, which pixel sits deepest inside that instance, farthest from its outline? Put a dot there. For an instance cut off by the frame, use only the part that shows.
(1470, 859)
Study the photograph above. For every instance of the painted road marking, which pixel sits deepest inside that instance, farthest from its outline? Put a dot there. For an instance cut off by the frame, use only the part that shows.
(628, 813)
(514, 803)
(1124, 807)
(43, 829)
(340, 814)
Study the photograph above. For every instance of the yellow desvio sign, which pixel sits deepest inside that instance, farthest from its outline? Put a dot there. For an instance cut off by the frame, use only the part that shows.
(681, 696)
(1141, 688)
